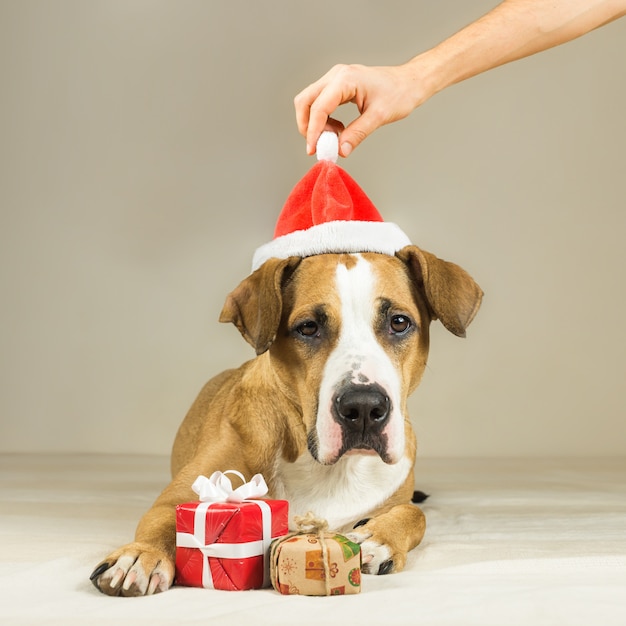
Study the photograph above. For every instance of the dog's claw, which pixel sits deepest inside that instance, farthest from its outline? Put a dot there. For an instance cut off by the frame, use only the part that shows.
(362, 522)
(386, 567)
(103, 567)
(117, 578)
(155, 584)
(419, 497)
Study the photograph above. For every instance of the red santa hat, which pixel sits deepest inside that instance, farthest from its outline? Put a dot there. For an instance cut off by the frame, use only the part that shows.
(328, 212)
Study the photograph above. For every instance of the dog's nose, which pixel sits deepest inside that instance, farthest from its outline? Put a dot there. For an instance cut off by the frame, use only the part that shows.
(363, 407)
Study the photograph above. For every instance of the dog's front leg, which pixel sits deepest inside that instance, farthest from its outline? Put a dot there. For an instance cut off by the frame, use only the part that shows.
(146, 566)
(387, 538)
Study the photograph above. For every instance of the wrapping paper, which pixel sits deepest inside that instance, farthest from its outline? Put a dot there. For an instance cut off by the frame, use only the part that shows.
(225, 545)
(316, 563)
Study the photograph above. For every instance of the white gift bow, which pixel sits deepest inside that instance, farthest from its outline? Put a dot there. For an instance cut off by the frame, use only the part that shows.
(218, 488)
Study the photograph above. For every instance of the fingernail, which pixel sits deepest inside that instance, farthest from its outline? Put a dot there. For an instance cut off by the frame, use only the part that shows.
(308, 148)
(346, 148)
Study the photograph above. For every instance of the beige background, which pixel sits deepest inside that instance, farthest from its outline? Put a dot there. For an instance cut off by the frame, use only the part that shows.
(147, 148)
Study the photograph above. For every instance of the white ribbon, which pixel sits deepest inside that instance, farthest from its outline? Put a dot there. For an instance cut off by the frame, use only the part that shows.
(218, 488)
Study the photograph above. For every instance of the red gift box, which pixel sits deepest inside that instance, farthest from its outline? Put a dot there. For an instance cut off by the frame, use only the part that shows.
(225, 545)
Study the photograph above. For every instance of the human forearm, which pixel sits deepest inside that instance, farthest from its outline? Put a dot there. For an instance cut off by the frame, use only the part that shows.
(511, 31)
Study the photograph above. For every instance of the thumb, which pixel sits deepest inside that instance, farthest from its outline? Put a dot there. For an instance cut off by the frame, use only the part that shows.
(358, 130)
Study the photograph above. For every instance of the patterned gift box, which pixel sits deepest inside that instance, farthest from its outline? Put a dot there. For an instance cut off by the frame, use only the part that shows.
(315, 562)
(225, 545)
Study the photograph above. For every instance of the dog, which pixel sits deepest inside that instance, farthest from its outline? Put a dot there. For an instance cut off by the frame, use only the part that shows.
(341, 342)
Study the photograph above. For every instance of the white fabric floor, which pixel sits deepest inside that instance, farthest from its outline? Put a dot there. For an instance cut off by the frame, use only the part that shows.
(523, 541)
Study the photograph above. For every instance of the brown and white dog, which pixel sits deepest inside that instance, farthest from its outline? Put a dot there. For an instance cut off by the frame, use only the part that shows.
(341, 342)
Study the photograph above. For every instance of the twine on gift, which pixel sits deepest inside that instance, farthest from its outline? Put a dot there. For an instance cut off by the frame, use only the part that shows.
(310, 524)
(316, 525)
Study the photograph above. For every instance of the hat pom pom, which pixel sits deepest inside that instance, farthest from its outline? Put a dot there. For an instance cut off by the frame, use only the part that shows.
(328, 147)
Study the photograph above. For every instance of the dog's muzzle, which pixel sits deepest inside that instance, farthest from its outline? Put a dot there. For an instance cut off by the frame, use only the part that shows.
(362, 412)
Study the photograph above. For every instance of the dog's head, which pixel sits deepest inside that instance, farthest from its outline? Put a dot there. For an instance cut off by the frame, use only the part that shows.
(347, 335)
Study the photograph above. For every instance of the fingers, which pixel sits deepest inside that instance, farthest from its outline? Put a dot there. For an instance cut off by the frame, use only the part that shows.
(368, 88)
(315, 104)
(358, 130)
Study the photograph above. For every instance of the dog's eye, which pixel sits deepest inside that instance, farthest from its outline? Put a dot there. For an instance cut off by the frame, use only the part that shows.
(399, 324)
(308, 329)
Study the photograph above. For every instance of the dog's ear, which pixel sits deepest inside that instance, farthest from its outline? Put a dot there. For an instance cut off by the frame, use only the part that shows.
(255, 306)
(452, 295)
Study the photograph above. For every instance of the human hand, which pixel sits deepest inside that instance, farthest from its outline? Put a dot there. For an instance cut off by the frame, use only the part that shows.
(381, 94)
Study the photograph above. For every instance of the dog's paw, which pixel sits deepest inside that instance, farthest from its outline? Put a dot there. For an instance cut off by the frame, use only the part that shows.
(377, 555)
(134, 570)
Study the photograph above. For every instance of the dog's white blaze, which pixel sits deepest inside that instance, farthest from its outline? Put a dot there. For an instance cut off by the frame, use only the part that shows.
(342, 493)
(358, 354)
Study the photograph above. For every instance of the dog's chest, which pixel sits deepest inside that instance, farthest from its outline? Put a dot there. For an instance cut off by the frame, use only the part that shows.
(342, 493)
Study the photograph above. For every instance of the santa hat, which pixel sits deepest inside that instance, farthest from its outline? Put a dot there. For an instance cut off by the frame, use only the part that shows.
(328, 212)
